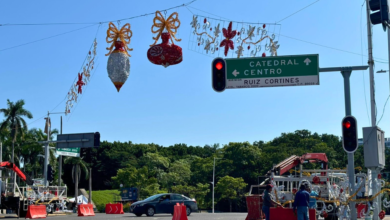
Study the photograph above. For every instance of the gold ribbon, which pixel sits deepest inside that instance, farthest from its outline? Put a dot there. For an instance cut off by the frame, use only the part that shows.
(169, 24)
(124, 35)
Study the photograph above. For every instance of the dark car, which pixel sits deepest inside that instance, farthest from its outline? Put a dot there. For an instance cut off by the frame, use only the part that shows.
(162, 203)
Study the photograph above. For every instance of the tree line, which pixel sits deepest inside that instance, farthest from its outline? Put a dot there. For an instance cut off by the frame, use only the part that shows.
(179, 168)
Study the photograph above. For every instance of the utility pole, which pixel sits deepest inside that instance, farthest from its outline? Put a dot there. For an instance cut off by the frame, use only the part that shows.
(372, 174)
(46, 150)
(1, 157)
(60, 162)
(90, 186)
(214, 179)
(213, 182)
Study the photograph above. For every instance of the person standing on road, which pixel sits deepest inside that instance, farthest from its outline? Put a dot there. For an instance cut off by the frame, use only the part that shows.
(313, 201)
(267, 201)
(301, 203)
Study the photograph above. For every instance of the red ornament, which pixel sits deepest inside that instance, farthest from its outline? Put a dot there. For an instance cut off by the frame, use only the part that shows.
(249, 47)
(238, 33)
(263, 55)
(198, 44)
(263, 25)
(341, 190)
(379, 176)
(80, 83)
(165, 54)
(228, 43)
(205, 20)
(216, 48)
(316, 180)
(382, 214)
(324, 214)
(211, 29)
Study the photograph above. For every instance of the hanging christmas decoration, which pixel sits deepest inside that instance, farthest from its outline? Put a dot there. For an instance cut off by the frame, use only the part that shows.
(82, 79)
(165, 54)
(227, 42)
(118, 65)
(208, 38)
(80, 84)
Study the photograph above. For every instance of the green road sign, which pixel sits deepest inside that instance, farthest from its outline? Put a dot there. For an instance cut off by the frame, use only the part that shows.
(297, 70)
(70, 152)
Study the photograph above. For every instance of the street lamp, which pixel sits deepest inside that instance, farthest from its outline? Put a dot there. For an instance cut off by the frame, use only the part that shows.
(214, 179)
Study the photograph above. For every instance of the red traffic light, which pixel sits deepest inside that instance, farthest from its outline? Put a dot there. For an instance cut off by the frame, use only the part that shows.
(219, 65)
(347, 124)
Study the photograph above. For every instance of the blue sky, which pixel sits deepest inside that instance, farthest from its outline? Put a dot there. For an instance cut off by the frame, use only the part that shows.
(177, 104)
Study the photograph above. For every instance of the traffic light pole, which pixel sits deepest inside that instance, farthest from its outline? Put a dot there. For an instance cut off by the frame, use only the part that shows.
(351, 160)
(346, 73)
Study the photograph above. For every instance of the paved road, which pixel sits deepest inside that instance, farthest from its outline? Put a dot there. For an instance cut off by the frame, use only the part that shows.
(193, 216)
(101, 216)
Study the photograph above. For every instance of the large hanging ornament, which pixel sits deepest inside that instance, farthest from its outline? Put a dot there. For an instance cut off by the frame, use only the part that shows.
(118, 65)
(165, 54)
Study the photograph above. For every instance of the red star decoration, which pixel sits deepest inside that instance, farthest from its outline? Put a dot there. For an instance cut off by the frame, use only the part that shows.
(80, 83)
(228, 43)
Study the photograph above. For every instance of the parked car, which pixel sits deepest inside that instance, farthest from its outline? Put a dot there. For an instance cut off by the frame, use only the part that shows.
(162, 203)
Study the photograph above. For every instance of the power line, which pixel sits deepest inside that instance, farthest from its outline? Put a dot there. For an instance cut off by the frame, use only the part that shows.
(47, 38)
(361, 47)
(227, 19)
(383, 110)
(102, 22)
(333, 48)
(298, 11)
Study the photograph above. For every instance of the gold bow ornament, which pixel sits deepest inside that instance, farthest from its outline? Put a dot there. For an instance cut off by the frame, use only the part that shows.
(160, 23)
(118, 64)
(114, 35)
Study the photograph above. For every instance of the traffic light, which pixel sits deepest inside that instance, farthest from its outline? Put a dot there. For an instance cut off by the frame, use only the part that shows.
(381, 16)
(50, 173)
(218, 68)
(96, 139)
(350, 134)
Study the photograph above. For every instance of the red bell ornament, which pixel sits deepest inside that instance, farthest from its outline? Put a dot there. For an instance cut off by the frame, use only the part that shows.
(165, 54)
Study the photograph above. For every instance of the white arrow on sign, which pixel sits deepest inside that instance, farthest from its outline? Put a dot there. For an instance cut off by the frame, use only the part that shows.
(307, 61)
(235, 73)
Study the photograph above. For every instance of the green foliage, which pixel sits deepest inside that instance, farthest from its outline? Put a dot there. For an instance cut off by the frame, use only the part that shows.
(141, 178)
(230, 188)
(103, 197)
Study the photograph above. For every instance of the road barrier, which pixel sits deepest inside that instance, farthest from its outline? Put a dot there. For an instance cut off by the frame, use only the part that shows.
(254, 205)
(180, 212)
(36, 211)
(114, 208)
(85, 210)
(287, 213)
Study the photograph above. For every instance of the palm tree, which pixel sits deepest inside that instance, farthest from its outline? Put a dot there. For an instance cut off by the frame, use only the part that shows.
(14, 120)
(77, 163)
(30, 149)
